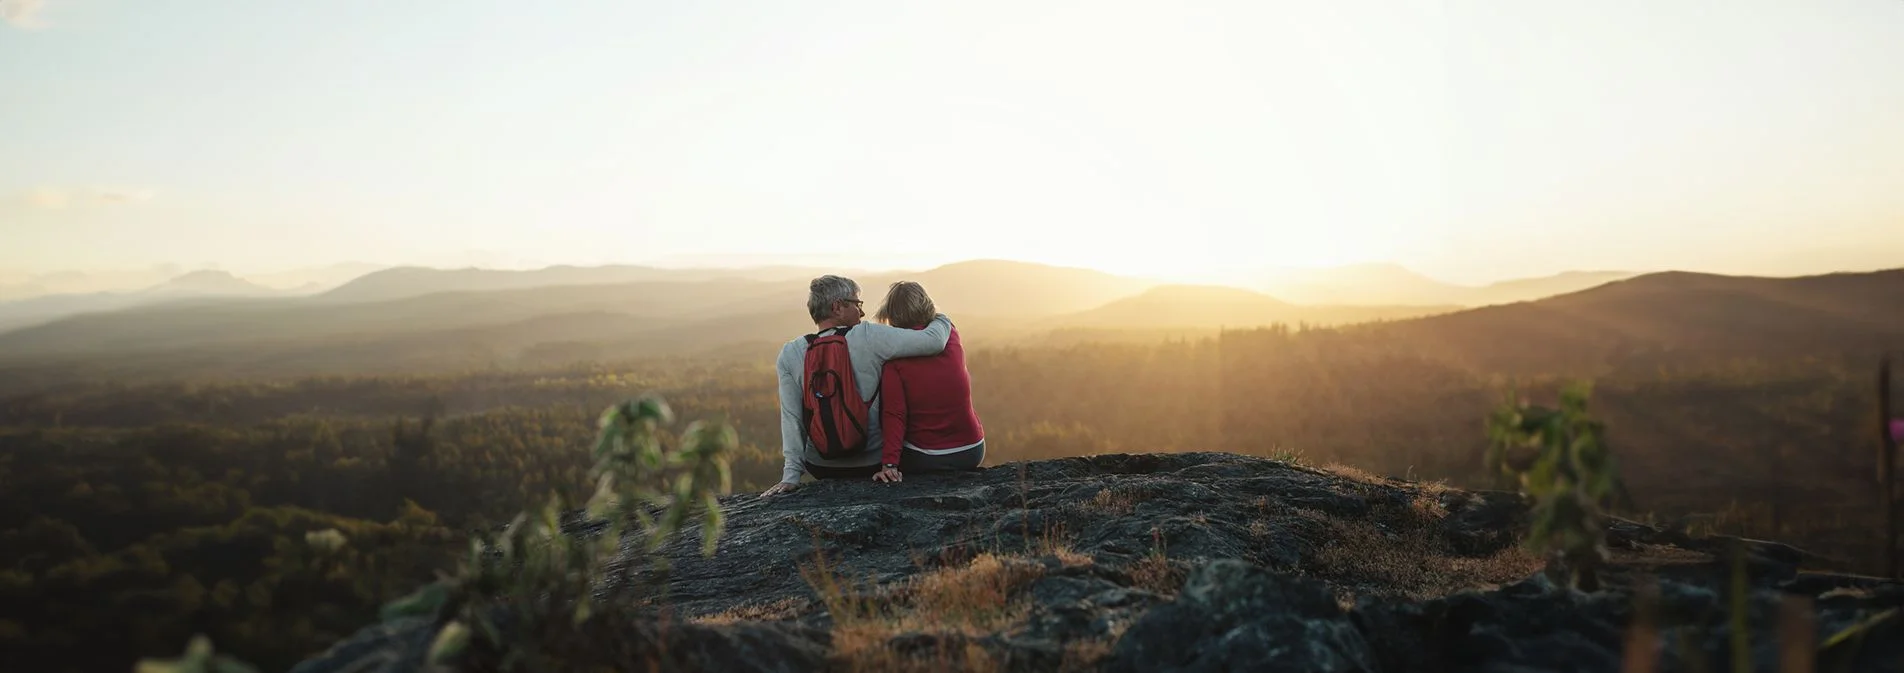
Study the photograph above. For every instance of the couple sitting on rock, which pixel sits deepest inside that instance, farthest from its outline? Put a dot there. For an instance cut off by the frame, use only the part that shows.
(861, 399)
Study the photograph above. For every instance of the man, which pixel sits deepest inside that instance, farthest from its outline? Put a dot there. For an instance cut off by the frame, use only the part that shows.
(834, 304)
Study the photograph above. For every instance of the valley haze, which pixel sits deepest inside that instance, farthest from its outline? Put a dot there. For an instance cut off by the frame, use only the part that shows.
(1055, 297)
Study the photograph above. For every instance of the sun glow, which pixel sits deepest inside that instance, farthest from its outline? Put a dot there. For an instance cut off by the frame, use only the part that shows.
(1218, 262)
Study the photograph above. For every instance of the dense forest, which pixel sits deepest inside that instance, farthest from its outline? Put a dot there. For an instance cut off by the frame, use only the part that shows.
(132, 516)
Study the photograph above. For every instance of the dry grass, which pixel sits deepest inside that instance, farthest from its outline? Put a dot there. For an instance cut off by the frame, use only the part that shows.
(1119, 500)
(1352, 472)
(1427, 504)
(1155, 574)
(1412, 562)
(1430, 490)
(788, 608)
(1051, 540)
(1657, 555)
(1071, 558)
(975, 599)
(953, 604)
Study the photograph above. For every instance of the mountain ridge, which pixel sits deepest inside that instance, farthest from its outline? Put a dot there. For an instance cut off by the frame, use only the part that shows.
(1215, 306)
(184, 289)
(1677, 316)
(995, 303)
(1384, 283)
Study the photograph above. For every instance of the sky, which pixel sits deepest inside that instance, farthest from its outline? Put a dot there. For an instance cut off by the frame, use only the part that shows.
(1470, 140)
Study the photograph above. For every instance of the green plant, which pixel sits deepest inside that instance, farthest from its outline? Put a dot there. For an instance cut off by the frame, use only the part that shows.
(198, 658)
(550, 576)
(1559, 458)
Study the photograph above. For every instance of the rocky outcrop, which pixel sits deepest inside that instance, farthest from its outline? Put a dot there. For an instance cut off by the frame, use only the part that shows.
(1235, 614)
(1180, 562)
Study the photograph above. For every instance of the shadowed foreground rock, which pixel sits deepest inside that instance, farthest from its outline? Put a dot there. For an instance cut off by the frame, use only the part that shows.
(1174, 562)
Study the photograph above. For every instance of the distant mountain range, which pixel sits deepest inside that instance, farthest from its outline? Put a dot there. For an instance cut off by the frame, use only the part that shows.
(412, 281)
(1390, 284)
(1385, 290)
(431, 320)
(186, 289)
(16, 286)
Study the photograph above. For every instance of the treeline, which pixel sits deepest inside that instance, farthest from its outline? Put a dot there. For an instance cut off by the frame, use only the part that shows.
(1781, 449)
(134, 516)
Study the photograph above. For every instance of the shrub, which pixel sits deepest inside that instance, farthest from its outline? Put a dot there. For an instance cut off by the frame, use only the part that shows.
(550, 576)
(1560, 459)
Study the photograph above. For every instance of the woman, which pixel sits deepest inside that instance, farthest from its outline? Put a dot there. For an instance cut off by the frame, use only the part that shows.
(926, 421)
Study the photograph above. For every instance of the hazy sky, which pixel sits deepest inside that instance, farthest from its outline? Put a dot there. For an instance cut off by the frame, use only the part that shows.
(1469, 139)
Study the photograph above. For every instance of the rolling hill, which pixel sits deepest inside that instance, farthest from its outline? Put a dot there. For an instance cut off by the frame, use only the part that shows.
(1391, 284)
(210, 283)
(1649, 319)
(661, 317)
(1667, 319)
(1215, 306)
(411, 281)
(255, 322)
(15, 286)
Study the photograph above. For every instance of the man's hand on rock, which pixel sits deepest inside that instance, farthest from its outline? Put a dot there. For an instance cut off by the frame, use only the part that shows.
(778, 489)
(888, 475)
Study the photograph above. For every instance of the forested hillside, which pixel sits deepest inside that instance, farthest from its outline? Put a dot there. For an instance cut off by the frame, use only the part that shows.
(133, 515)
(189, 503)
(446, 321)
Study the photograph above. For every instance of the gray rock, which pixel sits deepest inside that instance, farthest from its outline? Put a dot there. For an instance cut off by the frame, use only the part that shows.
(1237, 616)
(1247, 604)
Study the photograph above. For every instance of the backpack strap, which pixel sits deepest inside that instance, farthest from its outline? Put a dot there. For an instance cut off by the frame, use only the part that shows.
(837, 331)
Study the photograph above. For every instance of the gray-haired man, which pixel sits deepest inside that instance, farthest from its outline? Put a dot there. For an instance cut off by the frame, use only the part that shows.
(834, 304)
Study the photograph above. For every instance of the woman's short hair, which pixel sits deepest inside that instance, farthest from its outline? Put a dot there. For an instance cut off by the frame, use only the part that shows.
(906, 305)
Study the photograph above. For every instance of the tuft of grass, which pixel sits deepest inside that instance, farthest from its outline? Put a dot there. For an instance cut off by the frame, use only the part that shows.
(1413, 561)
(1052, 540)
(953, 606)
(975, 599)
(1155, 573)
(1352, 472)
(787, 608)
(1291, 455)
(1427, 505)
(1069, 557)
(1121, 499)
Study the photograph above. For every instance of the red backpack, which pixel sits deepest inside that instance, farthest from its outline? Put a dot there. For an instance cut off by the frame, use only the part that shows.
(835, 415)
